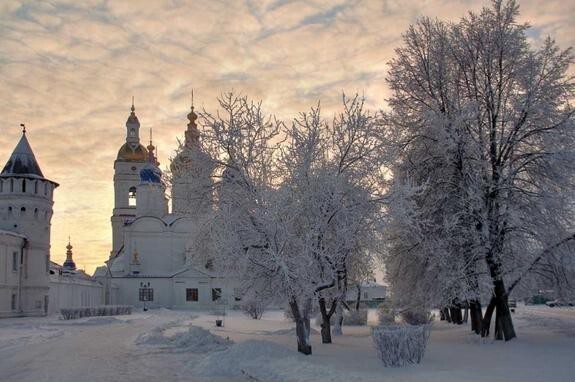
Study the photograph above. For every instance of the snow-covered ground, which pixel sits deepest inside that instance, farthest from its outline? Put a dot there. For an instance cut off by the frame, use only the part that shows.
(164, 345)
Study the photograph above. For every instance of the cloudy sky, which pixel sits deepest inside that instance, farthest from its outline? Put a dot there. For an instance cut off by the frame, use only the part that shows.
(68, 69)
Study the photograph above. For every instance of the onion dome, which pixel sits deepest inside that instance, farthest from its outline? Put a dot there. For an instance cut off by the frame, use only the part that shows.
(192, 133)
(132, 150)
(22, 162)
(150, 173)
(132, 153)
(69, 263)
(132, 118)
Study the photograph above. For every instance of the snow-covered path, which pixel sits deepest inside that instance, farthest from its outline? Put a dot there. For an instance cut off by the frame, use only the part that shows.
(105, 349)
(97, 349)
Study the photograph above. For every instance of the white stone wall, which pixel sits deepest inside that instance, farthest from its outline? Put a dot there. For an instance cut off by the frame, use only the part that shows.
(72, 292)
(171, 292)
(9, 244)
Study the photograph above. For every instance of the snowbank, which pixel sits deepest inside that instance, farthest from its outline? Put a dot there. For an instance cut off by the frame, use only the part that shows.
(194, 339)
(286, 332)
(267, 361)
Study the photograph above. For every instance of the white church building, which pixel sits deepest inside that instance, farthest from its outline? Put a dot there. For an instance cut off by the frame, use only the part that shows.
(151, 263)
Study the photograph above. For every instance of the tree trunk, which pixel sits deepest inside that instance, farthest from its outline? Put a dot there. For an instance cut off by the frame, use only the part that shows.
(358, 299)
(447, 315)
(456, 317)
(325, 323)
(503, 322)
(302, 330)
(337, 326)
(326, 319)
(486, 323)
(476, 316)
(466, 314)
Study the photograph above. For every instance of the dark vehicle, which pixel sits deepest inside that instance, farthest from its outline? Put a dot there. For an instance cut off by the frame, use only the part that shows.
(537, 300)
(557, 303)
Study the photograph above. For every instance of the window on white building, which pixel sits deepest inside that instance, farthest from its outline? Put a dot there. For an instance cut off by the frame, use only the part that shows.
(132, 197)
(14, 261)
(191, 294)
(216, 294)
(146, 294)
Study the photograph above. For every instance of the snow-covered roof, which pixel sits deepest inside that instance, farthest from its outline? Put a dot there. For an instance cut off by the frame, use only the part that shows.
(101, 271)
(371, 284)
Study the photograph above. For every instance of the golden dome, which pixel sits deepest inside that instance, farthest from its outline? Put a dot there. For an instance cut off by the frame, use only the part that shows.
(132, 154)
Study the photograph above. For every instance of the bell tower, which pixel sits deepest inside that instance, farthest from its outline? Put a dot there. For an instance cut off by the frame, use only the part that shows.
(132, 157)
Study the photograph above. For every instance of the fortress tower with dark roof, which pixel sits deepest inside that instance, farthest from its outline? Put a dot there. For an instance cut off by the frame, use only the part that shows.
(26, 200)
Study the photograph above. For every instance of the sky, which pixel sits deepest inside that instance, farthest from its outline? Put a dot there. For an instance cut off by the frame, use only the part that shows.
(69, 69)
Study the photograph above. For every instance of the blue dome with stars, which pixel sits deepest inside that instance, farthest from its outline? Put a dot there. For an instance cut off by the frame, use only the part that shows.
(150, 174)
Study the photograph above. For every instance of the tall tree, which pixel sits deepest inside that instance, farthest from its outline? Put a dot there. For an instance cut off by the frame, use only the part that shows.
(484, 132)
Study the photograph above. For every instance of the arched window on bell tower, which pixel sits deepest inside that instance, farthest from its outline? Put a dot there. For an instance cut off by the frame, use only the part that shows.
(132, 197)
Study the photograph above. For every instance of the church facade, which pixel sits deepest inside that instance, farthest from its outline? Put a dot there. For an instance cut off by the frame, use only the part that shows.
(151, 263)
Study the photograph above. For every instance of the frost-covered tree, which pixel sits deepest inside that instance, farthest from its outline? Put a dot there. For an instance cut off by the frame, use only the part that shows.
(483, 126)
(292, 202)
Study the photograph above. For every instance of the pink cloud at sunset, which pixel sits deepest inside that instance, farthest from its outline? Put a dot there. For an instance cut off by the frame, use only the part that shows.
(68, 69)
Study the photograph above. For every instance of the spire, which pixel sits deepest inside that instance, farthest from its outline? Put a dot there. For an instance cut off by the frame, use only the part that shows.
(133, 118)
(192, 133)
(133, 126)
(69, 263)
(151, 156)
(22, 161)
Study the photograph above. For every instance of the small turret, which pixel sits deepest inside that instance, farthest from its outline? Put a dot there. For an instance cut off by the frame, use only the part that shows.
(132, 150)
(69, 264)
(151, 198)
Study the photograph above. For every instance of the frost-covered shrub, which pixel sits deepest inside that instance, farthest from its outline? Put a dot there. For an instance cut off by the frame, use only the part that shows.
(104, 310)
(385, 315)
(355, 317)
(398, 345)
(416, 317)
(253, 308)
